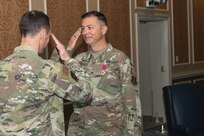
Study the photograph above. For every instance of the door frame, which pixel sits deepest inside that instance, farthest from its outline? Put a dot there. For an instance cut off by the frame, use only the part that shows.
(165, 56)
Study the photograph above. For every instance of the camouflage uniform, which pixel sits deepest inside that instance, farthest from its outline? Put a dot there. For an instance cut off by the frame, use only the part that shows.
(31, 92)
(115, 109)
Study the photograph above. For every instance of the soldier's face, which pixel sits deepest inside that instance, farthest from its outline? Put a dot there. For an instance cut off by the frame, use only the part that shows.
(92, 30)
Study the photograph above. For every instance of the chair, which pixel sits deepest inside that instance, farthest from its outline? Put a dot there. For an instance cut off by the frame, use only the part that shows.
(184, 108)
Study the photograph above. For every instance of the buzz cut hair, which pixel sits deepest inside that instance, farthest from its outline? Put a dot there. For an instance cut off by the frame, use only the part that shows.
(100, 16)
(32, 22)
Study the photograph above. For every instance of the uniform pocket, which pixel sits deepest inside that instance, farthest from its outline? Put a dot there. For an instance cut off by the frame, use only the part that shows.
(109, 85)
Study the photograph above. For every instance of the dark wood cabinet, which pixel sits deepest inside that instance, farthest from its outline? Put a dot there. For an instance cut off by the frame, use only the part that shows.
(180, 32)
(187, 31)
(187, 40)
(199, 79)
(198, 30)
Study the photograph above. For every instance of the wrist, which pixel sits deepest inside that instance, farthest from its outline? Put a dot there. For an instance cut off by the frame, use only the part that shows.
(66, 58)
(70, 52)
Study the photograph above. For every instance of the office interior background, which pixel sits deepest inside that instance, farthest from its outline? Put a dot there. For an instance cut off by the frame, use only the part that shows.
(164, 41)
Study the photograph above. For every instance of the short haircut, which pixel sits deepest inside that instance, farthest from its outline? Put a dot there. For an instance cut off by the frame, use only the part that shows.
(100, 16)
(32, 22)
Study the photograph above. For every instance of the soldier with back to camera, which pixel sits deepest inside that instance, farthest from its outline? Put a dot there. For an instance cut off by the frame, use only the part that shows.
(32, 89)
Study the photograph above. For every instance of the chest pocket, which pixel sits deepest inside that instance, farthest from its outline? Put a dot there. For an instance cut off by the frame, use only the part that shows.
(110, 82)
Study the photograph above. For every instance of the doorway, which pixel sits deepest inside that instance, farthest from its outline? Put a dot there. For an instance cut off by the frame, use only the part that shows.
(154, 63)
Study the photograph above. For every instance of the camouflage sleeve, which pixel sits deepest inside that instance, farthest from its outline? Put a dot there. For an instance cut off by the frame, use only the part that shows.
(55, 57)
(77, 69)
(83, 79)
(131, 101)
(82, 83)
(63, 85)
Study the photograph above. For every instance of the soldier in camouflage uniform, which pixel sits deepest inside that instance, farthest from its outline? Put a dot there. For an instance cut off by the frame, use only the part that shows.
(32, 89)
(115, 109)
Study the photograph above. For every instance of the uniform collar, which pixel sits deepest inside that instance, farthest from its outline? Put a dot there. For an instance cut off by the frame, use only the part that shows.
(25, 47)
(99, 53)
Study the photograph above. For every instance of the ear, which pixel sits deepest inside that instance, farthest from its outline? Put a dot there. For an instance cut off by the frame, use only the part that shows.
(104, 30)
(42, 36)
(42, 33)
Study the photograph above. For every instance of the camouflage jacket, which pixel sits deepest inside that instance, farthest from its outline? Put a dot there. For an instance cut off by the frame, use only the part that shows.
(115, 109)
(31, 92)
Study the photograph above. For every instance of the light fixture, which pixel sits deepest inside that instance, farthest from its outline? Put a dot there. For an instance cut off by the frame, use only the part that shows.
(153, 3)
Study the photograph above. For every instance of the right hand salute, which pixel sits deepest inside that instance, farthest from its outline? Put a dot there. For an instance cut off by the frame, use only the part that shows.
(62, 51)
(73, 40)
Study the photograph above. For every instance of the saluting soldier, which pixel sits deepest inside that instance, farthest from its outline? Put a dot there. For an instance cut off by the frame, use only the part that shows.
(115, 109)
(32, 89)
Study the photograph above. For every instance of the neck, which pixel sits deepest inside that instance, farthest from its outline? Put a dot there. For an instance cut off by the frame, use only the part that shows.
(99, 45)
(30, 41)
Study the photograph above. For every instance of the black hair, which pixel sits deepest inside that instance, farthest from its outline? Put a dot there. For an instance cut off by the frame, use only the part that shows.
(32, 22)
(100, 16)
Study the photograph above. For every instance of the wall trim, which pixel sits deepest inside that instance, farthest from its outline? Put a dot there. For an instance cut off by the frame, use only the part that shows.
(92, 5)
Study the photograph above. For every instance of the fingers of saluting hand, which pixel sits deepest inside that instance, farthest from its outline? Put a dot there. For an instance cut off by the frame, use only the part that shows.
(77, 33)
(62, 51)
(73, 39)
(56, 40)
(59, 45)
